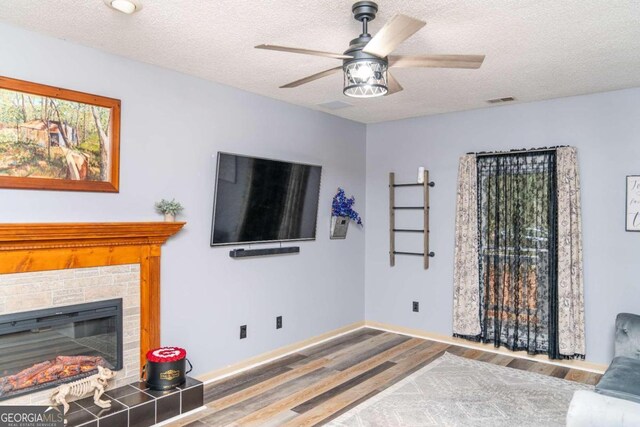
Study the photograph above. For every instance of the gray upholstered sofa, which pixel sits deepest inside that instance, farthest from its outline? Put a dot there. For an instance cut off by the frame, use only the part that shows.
(616, 400)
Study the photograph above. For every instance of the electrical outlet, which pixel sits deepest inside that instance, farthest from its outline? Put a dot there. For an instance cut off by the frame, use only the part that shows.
(416, 306)
(243, 331)
(279, 322)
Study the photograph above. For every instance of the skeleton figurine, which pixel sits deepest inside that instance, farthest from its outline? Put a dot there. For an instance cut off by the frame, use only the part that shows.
(95, 383)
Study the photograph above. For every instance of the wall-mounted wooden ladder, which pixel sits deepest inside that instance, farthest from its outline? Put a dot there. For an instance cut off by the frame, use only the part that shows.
(392, 219)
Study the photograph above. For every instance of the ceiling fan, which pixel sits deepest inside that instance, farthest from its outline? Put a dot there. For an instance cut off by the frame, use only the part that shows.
(366, 62)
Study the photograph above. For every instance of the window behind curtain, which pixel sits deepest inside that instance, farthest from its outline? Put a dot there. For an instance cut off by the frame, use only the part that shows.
(517, 251)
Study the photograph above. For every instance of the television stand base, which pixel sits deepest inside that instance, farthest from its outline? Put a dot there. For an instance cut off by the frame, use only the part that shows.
(248, 253)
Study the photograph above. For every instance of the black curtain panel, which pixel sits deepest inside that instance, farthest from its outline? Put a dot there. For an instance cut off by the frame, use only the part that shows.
(517, 225)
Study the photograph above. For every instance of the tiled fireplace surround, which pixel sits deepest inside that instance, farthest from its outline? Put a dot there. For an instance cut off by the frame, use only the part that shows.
(51, 265)
(45, 289)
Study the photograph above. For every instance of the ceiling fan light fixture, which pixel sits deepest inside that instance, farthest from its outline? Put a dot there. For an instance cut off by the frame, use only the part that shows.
(365, 78)
(366, 61)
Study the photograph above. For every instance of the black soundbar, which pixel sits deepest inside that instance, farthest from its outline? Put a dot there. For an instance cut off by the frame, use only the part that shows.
(247, 253)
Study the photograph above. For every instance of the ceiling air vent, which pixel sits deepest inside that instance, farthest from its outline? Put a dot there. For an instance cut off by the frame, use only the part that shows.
(501, 100)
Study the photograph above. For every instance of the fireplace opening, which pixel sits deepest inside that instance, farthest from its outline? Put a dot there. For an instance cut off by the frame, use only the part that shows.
(44, 348)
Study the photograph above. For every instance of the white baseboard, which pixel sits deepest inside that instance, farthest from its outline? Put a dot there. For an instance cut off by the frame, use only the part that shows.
(572, 364)
(310, 342)
(270, 356)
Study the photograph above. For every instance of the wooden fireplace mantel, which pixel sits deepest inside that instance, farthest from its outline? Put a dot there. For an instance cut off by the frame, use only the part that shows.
(59, 246)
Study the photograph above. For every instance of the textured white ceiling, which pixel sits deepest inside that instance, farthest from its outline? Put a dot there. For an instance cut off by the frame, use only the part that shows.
(536, 49)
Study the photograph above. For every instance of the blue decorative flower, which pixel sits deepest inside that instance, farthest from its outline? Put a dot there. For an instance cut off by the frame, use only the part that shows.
(342, 206)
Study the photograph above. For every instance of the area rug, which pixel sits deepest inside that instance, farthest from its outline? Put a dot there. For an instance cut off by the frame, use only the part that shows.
(455, 391)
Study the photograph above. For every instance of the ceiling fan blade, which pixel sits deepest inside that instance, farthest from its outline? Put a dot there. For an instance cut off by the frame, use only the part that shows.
(312, 77)
(394, 32)
(304, 51)
(436, 61)
(392, 85)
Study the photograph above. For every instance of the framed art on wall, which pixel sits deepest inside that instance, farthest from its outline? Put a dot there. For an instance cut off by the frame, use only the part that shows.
(633, 203)
(57, 139)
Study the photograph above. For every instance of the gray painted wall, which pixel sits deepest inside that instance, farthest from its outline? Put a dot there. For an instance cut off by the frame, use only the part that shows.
(174, 124)
(172, 127)
(605, 128)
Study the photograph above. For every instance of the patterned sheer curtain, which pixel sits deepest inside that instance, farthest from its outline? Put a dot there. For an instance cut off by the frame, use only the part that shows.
(528, 252)
(571, 340)
(517, 252)
(466, 279)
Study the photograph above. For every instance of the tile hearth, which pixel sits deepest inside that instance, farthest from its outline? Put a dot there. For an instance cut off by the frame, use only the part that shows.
(135, 405)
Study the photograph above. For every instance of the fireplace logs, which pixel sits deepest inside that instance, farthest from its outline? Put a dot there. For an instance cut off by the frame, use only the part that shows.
(62, 367)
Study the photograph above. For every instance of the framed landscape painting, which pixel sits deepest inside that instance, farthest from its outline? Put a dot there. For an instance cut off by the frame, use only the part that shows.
(633, 203)
(57, 139)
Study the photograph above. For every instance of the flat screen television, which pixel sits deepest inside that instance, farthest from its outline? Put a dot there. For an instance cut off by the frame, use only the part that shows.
(261, 200)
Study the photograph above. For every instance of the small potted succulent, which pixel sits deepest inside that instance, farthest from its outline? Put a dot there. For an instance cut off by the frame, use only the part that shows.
(341, 213)
(169, 208)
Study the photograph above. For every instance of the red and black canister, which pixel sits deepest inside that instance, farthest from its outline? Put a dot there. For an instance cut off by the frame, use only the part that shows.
(165, 368)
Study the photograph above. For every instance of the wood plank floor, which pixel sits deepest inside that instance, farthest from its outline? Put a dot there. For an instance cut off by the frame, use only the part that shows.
(317, 384)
